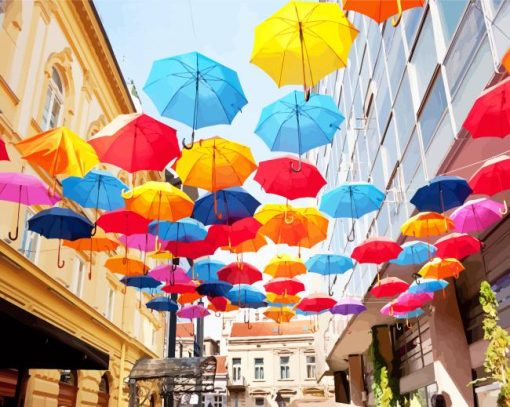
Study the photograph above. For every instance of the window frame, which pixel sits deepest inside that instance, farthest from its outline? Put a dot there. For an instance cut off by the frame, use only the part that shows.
(28, 237)
(310, 367)
(53, 95)
(285, 368)
(258, 365)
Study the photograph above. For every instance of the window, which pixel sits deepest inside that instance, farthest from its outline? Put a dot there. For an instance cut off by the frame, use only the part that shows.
(396, 61)
(433, 110)
(284, 367)
(259, 401)
(31, 240)
(236, 369)
(78, 277)
(54, 104)
(411, 22)
(110, 303)
(450, 13)
(218, 401)
(404, 112)
(259, 369)
(310, 367)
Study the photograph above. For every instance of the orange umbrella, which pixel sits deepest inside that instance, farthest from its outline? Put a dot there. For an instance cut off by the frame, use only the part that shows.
(248, 246)
(285, 266)
(221, 304)
(282, 299)
(279, 314)
(381, 10)
(506, 61)
(127, 266)
(188, 298)
(441, 269)
(426, 224)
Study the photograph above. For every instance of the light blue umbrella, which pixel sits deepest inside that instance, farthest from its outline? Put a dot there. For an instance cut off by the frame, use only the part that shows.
(415, 252)
(206, 270)
(427, 285)
(184, 230)
(408, 315)
(195, 90)
(295, 125)
(329, 264)
(246, 296)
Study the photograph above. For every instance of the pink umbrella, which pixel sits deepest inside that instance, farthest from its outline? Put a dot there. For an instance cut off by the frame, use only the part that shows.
(193, 311)
(24, 189)
(407, 302)
(169, 274)
(477, 214)
(141, 241)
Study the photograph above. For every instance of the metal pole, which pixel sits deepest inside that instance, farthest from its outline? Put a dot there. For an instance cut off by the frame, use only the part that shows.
(172, 336)
(199, 340)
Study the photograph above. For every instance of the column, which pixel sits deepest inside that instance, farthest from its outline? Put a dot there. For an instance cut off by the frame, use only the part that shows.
(356, 382)
(341, 387)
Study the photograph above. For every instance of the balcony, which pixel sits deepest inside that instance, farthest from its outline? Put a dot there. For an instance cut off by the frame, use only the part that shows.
(237, 384)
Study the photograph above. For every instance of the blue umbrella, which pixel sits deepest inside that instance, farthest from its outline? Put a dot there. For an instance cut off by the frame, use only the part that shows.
(60, 223)
(408, 315)
(233, 204)
(427, 285)
(206, 270)
(141, 282)
(415, 252)
(329, 264)
(214, 288)
(295, 125)
(195, 90)
(441, 194)
(184, 230)
(351, 200)
(162, 304)
(246, 296)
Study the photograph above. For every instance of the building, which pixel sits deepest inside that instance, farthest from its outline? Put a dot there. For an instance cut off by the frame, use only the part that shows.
(405, 94)
(185, 339)
(67, 340)
(265, 360)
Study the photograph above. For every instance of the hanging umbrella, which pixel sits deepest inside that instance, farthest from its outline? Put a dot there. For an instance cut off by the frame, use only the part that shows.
(506, 60)
(125, 265)
(233, 204)
(143, 242)
(184, 230)
(325, 264)
(288, 123)
(426, 224)
(4, 156)
(214, 288)
(303, 42)
(490, 114)
(193, 312)
(232, 235)
(60, 223)
(24, 189)
(195, 90)
(441, 268)
(406, 302)
(376, 250)
(140, 282)
(276, 176)
(457, 246)
(408, 315)
(245, 296)
(188, 298)
(427, 285)
(441, 194)
(279, 314)
(316, 303)
(284, 286)
(168, 273)
(477, 215)
(136, 142)
(285, 266)
(389, 287)
(239, 273)
(180, 288)
(414, 252)
(191, 250)
(160, 255)
(123, 221)
(348, 306)
(205, 270)
(248, 246)
(278, 300)
(492, 177)
(59, 151)
(162, 304)
(221, 304)
(381, 10)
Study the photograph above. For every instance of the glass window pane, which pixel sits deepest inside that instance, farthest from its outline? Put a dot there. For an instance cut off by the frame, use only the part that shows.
(404, 112)
(390, 144)
(450, 13)
(433, 110)
(396, 61)
(411, 20)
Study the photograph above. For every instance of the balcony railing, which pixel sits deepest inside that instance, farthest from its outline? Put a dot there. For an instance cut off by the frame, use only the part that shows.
(238, 383)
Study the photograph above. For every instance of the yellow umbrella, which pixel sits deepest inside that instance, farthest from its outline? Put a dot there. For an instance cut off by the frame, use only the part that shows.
(426, 224)
(279, 315)
(441, 268)
(159, 201)
(303, 42)
(282, 298)
(125, 265)
(285, 266)
(160, 255)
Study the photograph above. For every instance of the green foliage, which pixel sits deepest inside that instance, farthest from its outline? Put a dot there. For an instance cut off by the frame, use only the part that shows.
(385, 386)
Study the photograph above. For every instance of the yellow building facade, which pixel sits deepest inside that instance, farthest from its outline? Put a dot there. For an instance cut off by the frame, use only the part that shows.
(57, 68)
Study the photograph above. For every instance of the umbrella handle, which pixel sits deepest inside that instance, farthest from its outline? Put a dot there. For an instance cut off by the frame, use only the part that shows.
(416, 276)
(299, 168)
(504, 211)
(16, 234)
(217, 314)
(289, 220)
(351, 237)
(398, 326)
(60, 262)
(396, 21)
(307, 93)
(189, 146)
(94, 230)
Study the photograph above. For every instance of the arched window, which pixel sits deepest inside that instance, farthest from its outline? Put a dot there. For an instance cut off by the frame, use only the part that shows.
(54, 105)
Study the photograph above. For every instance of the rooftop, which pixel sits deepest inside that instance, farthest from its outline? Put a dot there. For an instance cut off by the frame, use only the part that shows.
(241, 329)
(221, 364)
(185, 330)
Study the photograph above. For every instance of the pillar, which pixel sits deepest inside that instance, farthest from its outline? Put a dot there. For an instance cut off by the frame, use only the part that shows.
(341, 387)
(356, 382)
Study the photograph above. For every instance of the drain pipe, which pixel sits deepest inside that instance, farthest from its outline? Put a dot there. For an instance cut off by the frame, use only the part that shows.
(121, 373)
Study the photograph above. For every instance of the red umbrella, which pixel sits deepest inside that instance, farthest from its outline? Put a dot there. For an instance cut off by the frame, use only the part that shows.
(122, 221)
(316, 303)
(457, 246)
(492, 177)
(277, 177)
(221, 304)
(389, 287)
(180, 288)
(284, 286)
(490, 114)
(136, 142)
(191, 250)
(239, 273)
(235, 234)
(3, 151)
(376, 250)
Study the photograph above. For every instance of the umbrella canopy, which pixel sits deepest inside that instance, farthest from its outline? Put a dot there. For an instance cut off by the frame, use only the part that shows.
(205, 270)
(376, 250)
(490, 114)
(239, 273)
(245, 295)
(414, 252)
(237, 233)
(215, 163)
(303, 42)
(506, 60)
(381, 10)
(221, 304)
(441, 194)
(426, 224)
(277, 177)
(284, 286)
(214, 288)
(97, 243)
(98, 190)
(285, 266)
(348, 306)
(180, 288)
(4, 156)
(315, 303)
(389, 287)
(492, 177)
(232, 204)
(477, 215)
(139, 241)
(249, 246)
(352, 200)
(195, 90)
(162, 304)
(277, 300)
(457, 246)
(288, 123)
(441, 268)
(279, 314)
(136, 142)
(168, 273)
(140, 282)
(159, 200)
(192, 312)
(160, 255)
(184, 230)
(126, 265)
(406, 302)
(408, 315)
(191, 250)
(327, 264)
(427, 285)
(123, 221)
(188, 298)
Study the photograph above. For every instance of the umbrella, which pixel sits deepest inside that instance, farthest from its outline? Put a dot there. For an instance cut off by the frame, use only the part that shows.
(192, 312)
(205, 270)
(195, 90)
(490, 114)
(143, 242)
(232, 235)
(169, 273)
(381, 10)
(284, 286)
(162, 304)
(506, 60)
(426, 224)
(285, 266)
(441, 268)
(233, 204)
(214, 288)
(245, 296)
(289, 123)
(140, 282)
(160, 255)
(191, 250)
(477, 215)
(427, 285)
(303, 42)
(221, 304)
(441, 193)
(136, 142)
(249, 246)
(60, 223)
(492, 177)
(122, 221)
(59, 151)
(457, 246)
(316, 303)
(414, 252)
(24, 189)
(279, 314)
(282, 299)
(406, 302)
(408, 315)
(329, 264)
(376, 250)
(239, 273)
(125, 265)
(389, 287)
(184, 230)
(277, 177)
(188, 298)
(180, 288)
(348, 306)
(4, 156)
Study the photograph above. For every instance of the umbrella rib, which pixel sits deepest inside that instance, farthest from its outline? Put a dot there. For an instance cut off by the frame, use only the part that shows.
(283, 58)
(314, 34)
(215, 78)
(219, 101)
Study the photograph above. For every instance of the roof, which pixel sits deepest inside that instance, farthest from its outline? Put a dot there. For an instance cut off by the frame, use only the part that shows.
(221, 364)
(185, 330)
(241, 329)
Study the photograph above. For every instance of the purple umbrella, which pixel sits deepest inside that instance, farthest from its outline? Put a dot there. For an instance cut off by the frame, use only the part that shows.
(24, 189)
(477, 214)
(193, 311)
(169, 274)
(348, 306)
